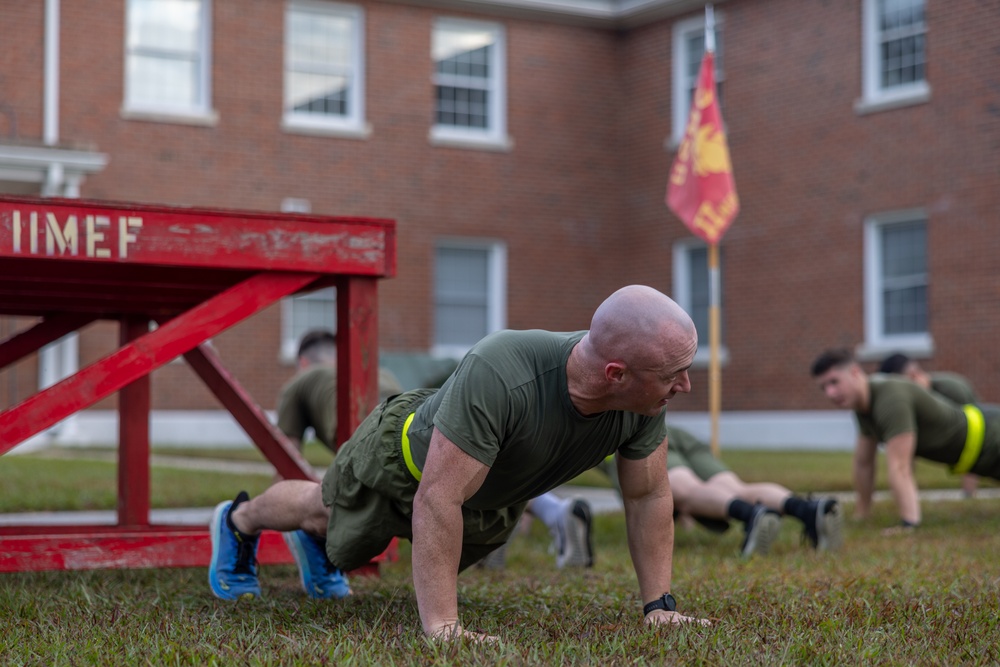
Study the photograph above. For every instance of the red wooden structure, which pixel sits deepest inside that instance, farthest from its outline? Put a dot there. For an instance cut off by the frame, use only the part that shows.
(195, 272)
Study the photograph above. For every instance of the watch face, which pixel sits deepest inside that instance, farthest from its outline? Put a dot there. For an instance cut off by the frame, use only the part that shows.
(669, 602)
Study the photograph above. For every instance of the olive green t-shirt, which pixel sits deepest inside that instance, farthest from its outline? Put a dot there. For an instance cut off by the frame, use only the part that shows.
(954, 387)
(508, 406)
(310, 399)
(899, 406)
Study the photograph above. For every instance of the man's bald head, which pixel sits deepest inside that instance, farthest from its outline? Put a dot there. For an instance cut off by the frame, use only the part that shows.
(640, 326)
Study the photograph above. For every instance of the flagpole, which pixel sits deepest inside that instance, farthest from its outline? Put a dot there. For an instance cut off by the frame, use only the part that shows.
(714, 373)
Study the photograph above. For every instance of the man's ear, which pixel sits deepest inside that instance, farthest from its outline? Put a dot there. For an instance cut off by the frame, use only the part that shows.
(614, 372)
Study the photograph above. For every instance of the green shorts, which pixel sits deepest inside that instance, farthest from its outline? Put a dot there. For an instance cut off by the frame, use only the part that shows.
(689, 452)
(369, 491)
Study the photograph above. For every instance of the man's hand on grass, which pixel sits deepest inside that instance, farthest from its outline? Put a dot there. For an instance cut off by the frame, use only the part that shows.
(663, 617)
(451, 632)
(897, 531)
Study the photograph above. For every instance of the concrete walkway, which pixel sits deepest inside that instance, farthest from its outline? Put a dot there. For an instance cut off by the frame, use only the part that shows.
(602, 501)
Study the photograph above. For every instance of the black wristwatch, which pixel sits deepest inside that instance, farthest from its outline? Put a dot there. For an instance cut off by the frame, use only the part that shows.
(666, 603)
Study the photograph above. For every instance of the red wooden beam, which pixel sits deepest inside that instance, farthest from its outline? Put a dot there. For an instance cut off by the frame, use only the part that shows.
(104, 547)
(78, 231)
(287, 460)
(50, 329)
(142, 356)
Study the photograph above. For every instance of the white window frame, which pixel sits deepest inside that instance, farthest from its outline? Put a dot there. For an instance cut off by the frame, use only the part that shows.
(681, 268)
(197, 114)
(494, 136)
(680, 81)
(496, 289)
(352, 124)
(877, 342)
(873, 96)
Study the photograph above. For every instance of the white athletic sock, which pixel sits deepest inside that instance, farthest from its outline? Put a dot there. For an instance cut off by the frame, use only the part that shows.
(549, 508)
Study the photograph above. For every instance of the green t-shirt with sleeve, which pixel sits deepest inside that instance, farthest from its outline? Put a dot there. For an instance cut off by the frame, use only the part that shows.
(508, 406)
(309, 400)
(954, 387)
(899, 406)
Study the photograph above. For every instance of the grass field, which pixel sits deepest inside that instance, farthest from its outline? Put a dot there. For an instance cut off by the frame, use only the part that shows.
(929, 598)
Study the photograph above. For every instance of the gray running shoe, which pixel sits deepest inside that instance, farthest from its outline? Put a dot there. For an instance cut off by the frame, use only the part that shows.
(761, 531)
(825, 529)
(496, 560)
(576, 548)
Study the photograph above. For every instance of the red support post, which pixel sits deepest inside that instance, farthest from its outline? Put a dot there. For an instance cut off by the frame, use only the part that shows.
(133, 436)
(357, 332)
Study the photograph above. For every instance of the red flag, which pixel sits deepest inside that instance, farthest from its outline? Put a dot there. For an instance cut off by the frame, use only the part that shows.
(701, 190)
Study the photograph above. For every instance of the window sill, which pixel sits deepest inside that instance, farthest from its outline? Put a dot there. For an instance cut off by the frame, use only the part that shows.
(917, 348)
(317, 128)
(447, 139)
(886, 102)
(199, 118)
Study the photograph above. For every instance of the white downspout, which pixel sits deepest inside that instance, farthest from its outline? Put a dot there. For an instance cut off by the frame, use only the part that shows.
(50, 129)
(60, 359)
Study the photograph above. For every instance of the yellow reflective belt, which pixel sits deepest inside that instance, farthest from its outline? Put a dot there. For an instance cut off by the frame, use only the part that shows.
(407, 454)
(973, 440)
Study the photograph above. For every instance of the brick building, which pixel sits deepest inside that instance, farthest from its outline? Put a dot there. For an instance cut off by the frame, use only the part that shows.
(522, 146)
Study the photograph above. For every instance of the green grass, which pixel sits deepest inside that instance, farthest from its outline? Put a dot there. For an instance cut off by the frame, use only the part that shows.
(927, 598)
(35, 483)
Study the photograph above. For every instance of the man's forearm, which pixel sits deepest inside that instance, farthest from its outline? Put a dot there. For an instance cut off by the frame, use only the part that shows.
(650, 525)
(437, 549)
(904, 492)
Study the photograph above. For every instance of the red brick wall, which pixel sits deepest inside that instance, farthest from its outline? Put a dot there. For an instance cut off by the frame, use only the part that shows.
(579, 198)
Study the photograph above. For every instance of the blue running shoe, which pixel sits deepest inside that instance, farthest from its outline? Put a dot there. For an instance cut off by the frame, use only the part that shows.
(320, 578)
(232, 574)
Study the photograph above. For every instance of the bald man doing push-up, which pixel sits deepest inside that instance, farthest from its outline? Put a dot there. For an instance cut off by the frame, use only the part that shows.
(452, 469)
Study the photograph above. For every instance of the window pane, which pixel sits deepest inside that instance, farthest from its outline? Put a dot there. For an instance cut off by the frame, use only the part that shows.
(317, 93)
(163, 81)
(457, 44)
(461, 290)
(905, 310)
(904, 277)
(320, 40)
(168, 25)
(316, 310)
(459, 325)
(462, 106)
(904, 250)
(165, 60)
(700, 296)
